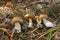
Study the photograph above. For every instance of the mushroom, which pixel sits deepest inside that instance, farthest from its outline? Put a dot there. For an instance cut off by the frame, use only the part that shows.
(7, 32)
(47, 23)
(39, 19)
(30, 17)
(16, 21)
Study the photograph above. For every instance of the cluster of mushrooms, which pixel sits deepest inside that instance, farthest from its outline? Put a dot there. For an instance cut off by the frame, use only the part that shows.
(18, 20)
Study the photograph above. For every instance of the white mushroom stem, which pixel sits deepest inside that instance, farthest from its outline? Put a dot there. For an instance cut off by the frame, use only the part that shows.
(48, 23)
(17, 28)
(39, 23)
(30, 23)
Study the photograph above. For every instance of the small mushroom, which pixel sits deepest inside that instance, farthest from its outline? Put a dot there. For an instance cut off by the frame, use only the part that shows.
(45, 21)
(30, 17)
(39, 19)
(16, 21)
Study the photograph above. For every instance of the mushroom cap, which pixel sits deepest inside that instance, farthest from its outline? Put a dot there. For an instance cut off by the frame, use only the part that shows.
(42, 16)
(29, 16)
(16, 19)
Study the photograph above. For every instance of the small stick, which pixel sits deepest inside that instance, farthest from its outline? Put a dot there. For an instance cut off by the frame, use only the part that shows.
(34, 29)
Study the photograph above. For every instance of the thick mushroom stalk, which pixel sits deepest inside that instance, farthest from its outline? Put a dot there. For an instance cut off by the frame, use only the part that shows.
(30, 23)
(48, 23)
(17, 27)
(16, 21)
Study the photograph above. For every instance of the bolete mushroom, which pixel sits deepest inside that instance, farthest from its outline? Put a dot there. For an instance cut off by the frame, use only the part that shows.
(30, 17)
(39, 19)
(16, 21)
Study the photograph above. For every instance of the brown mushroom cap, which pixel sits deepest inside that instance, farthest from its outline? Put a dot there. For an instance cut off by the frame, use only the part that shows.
(42, 16)
(16, 19)
(28, 16)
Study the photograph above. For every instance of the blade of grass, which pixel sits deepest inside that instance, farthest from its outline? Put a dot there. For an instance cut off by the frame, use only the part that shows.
(49, 36)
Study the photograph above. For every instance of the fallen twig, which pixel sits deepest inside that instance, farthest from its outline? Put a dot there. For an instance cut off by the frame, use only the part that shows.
(33, 30)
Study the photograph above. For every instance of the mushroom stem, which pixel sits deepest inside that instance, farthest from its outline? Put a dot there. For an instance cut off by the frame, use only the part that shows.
(47, 23)
(30, 23)
(17, 28)
(38, 23)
